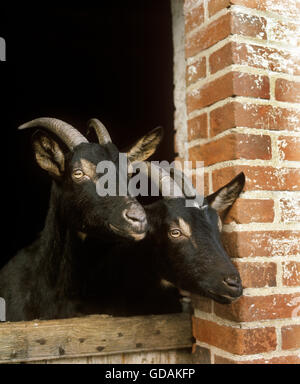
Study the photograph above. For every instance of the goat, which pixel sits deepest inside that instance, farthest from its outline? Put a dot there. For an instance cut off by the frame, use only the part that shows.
(43, 280)
(182, 247)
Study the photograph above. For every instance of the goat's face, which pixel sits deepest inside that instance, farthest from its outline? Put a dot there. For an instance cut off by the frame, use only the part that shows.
(194, 258)
(76, 176)
(89, 212)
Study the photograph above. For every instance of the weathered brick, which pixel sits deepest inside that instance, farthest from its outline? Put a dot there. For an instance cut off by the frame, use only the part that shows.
(231, 147)
(208, 36)
(196, 71)
(194, 18)
(230, 23)
(287, 8)
(291, 335)
(260, 178)
(235, 340)
(202, 303)
(215, 6)
(290, 210)
(282, 31)
(271, 59)
(234, 114)
(262, 243)
(197, 127)
(286, 90)
(221, 58)
(188, 5)
(246, 211)
(248, 25)
(255, 308)
(291, 359)
(289, 148)
(231, 84)
(257, 275)
(291, 274)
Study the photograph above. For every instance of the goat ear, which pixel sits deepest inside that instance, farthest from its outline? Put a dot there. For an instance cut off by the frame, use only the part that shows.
(226, 196)
(146, 146)
(48, 154)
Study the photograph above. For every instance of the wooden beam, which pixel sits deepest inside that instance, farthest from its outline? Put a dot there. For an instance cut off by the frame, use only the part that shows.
(93, 336)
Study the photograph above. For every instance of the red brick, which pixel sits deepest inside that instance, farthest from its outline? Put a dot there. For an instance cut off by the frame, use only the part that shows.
(231, 84)
(202, 303)
(215, 6)
(268, 117)
(197, 127)
(291, 274)
(286, 32)
(220, 59)
(246, 211)
(286, 90)
(262, 243)
(248, 25)
(272, 59)
(245, 84)
(290, 210)
(230, 23)
(189, 5)
(194, 18)
(196, 71)
(291, 335)
(257, 275)
(256, 308)
(209, 35)
(260, 178)
(235, 340)
(288, 8)
(289, 148)
(292, 359)
(231, 147)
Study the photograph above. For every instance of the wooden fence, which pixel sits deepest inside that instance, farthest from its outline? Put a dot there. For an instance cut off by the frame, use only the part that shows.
(99, 339)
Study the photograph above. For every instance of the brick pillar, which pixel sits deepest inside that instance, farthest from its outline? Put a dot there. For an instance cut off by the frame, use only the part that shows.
(242, 97)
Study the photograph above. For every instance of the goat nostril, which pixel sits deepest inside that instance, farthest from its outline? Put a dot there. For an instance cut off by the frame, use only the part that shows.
(232, 282)
(135, 215)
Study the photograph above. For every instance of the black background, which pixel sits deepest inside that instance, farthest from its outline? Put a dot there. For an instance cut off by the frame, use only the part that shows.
(113, 61)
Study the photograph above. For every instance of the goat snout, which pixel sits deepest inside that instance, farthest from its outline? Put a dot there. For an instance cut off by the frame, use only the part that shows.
(135, 214)
(233, 283)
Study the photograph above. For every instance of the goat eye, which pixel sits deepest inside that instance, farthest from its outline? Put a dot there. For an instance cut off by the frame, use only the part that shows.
(175, 233)
(78, 174)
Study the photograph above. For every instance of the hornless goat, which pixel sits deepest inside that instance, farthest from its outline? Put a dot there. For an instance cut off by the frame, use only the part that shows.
(44, 280)
(182, 247)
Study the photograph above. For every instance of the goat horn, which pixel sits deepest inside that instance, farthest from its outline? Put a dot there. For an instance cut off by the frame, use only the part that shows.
(68, 134)
(101, 131)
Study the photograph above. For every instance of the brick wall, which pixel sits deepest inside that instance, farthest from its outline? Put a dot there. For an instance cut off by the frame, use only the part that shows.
(239, 110)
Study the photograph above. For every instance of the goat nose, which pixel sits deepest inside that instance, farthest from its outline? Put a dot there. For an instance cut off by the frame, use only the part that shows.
(135, 214)
(232, 282)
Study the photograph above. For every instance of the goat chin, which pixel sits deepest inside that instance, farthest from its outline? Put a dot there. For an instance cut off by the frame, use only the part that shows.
(130, 235)
(184, 293)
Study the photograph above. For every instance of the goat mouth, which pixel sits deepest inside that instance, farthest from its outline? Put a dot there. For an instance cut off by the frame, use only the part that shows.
(223, 299)
(132, 235)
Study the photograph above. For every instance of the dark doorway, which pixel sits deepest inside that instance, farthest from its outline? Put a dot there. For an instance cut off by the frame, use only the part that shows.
(112, 60)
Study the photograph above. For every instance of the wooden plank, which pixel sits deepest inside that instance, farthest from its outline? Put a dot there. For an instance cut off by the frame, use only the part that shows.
(93, 336)
(181, 356)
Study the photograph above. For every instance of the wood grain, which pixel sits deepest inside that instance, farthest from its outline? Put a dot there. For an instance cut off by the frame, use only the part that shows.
(93, 337)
